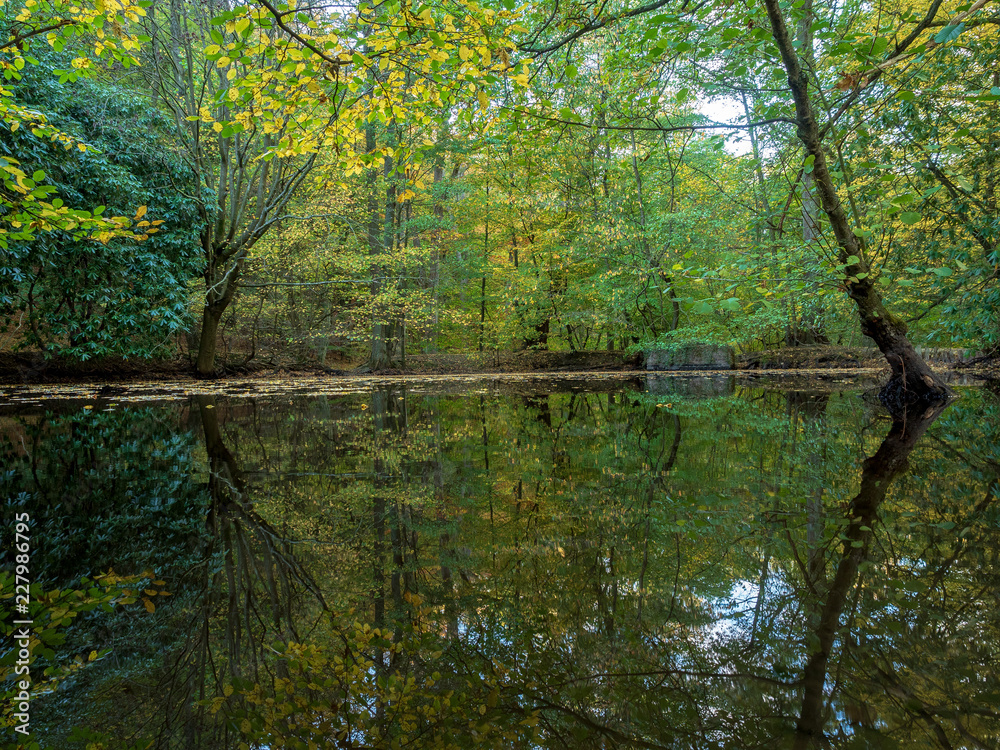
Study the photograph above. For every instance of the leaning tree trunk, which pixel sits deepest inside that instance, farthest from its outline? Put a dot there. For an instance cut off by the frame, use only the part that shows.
(911, 378)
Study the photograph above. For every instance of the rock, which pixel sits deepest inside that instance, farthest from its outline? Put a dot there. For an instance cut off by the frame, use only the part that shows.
(693, 356)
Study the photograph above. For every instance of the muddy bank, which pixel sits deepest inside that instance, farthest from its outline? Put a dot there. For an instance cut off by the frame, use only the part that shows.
(31, 368)
(813, 358)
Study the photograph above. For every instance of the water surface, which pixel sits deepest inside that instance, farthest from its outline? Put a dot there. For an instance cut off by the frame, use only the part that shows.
(582, 563)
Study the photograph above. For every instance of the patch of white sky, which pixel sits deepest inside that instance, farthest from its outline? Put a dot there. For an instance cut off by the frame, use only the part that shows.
(727, 110)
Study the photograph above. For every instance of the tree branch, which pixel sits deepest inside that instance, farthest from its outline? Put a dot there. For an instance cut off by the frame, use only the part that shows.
(17, 39)
(592, 26)
(657, 129)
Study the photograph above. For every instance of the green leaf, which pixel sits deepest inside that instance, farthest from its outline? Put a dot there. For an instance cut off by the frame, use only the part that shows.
(949, 33)
(910, 217)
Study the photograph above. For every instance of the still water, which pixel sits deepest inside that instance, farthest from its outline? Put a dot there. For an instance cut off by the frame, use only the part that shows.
(509, 563)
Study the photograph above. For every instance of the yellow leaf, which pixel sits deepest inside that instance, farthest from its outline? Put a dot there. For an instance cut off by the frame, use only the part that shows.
(150, 607)
(227, 690)
(484, 101)
(217, 127)
(140, 212)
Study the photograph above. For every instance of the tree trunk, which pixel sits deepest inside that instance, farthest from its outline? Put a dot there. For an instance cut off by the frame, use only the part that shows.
(379, 353)
(215, 306)
(912, 379)
(205, 365)
(810, 211)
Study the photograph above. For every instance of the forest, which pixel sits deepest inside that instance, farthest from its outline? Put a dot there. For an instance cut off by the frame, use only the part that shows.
(627, 559)
(362, 182)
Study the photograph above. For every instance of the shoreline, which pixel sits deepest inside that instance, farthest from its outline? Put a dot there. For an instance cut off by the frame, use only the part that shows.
(26, 371)
(485, 384)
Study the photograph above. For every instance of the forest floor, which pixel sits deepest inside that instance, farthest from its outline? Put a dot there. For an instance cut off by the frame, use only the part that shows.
(28, 368)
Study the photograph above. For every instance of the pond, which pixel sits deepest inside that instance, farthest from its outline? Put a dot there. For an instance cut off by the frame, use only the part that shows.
(628, 561)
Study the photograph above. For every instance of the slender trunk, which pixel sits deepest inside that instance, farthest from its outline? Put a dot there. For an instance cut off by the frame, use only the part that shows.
(761, 199)
(911, 379)
(810, 211)
(486, 260)
(379, 354)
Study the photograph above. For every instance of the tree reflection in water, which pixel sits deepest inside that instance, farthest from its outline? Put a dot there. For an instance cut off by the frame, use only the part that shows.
(573, 570)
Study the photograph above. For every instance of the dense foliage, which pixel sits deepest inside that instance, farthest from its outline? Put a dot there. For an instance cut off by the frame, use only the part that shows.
(495, 177)
(76, 297)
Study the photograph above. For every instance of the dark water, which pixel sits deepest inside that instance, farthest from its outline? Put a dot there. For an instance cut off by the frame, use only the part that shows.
(510, 564)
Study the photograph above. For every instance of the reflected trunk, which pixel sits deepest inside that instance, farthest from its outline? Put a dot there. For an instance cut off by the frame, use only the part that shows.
(877, 475)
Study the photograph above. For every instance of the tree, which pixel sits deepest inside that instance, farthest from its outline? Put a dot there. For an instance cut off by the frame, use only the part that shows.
(912, 378)
(257, 91)
(243, 185)
(736, 50)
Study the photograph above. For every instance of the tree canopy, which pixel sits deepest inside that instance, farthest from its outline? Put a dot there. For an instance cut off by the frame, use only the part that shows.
(398, 177)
